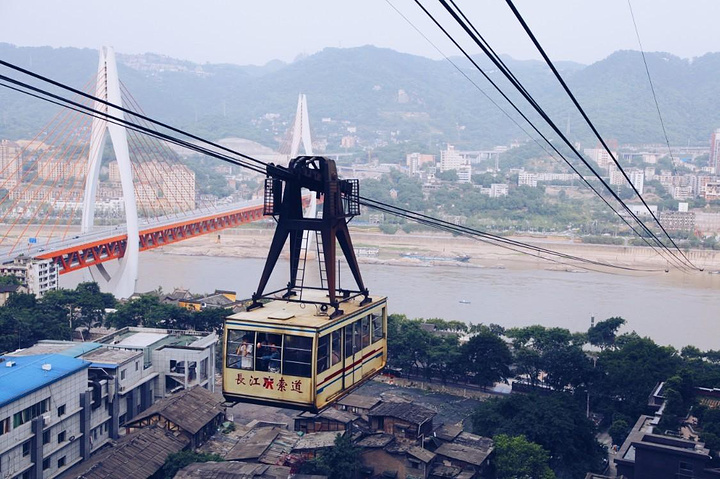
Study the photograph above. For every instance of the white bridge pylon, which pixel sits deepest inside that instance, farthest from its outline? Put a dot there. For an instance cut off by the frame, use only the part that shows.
(301, 133)
(122, 283)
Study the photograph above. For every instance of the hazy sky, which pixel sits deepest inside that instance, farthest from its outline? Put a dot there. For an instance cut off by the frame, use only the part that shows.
(255, 32)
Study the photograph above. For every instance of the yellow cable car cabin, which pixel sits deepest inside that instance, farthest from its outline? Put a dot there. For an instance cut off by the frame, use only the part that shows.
(306, 346)
(293, 355)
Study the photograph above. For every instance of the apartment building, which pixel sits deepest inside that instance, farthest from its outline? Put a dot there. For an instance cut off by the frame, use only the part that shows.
(60, 400)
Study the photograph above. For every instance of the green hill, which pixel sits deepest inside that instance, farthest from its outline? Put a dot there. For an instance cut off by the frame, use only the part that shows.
(361, 86)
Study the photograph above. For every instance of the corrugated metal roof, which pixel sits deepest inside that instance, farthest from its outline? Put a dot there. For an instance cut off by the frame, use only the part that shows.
(140, 454)
(191, 409)
(467, 454)
(412, 413)
(316, 440)
(27, 374)
(232, 470)
(253, 444)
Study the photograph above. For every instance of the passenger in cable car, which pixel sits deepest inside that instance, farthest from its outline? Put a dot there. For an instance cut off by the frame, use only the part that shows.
(245, 350)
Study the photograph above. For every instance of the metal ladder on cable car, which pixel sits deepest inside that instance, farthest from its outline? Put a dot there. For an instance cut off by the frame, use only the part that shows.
(302, 265)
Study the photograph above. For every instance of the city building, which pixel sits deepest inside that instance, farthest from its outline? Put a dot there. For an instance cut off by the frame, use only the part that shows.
(140, 454)
(415, 162)
(527, 179)
(194, 413)
(56, 169)
(712, 191)
(599, 156)
(677, 220)
(715, 151)
(329, 419)
(61, 400)
(452, 159)
(10, 162)
(645, 455)
(616, 176)
(7, 289)
(44, 411)
(403, 420)
(37, 275)
(499, 189)
(637, 178)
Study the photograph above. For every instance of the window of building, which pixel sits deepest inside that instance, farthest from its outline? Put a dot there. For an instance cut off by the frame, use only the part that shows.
(28, 414)
(203, 369)
(61, 437)
(46, 463)
(297, 355)
(685, 467)
(46, 437)
(137, 365)
(61, 462)
(105, 426)
(61, 410)
(122, 374)
(4, 425)
(26, 448)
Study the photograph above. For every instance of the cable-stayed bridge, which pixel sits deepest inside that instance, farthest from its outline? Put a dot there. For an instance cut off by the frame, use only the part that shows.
(73, 200)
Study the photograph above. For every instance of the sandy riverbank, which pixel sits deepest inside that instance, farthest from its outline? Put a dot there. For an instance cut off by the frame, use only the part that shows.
(254, 243)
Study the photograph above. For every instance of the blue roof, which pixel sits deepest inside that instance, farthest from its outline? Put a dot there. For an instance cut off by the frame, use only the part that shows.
(27, 375)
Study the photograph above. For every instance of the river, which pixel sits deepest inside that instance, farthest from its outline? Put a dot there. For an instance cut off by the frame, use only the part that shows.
(671, 308)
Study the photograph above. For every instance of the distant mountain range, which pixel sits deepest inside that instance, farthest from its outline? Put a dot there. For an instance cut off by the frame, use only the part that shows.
(424, 101)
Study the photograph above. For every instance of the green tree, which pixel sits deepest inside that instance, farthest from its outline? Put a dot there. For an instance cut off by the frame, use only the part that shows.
(618, 431)
(340, 461)
(487, 357)
(9, 280)
(518, 458)
(557, 422)
(604, 332)
(554, 351)
(628, 373)
(178, 460)
(449, 175)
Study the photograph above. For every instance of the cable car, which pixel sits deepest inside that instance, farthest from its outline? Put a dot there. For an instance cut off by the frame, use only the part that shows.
(288, 354)
(305, 346)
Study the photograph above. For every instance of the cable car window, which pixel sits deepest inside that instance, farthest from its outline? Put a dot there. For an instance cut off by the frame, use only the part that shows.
(240, 349)
(365, 332)
(349, 335)
(323, 356)
(377, 326)
(268, 348)
(297, 356)
(336, 346)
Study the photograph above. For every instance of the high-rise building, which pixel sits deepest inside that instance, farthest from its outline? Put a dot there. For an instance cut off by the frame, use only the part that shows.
(10, 162)
(715, 150)
(637, 178)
